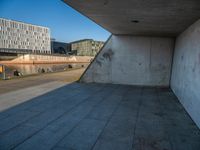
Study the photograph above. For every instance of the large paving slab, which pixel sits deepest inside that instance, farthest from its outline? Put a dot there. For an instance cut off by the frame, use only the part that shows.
(13, 98)
(99, 117)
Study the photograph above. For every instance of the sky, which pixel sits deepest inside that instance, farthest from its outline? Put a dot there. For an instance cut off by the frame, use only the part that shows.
(65, 23)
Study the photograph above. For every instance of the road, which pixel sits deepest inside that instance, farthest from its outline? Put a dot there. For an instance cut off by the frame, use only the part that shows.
(31, 81)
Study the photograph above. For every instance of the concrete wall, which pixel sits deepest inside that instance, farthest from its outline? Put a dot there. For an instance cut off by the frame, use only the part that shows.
(185, 81)
(133, 60)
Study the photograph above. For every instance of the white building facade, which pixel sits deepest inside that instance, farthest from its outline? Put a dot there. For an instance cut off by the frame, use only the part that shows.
(16, 35)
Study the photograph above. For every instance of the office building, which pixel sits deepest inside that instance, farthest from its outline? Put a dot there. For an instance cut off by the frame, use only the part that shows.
(86, 47)
(15, 35)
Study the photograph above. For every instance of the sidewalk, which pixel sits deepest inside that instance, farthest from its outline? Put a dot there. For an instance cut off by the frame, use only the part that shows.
(35, 80)
(17, 91)
(14, 98)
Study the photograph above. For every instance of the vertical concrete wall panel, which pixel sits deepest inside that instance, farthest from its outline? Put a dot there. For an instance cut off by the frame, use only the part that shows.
(133, 60)
(185, 80)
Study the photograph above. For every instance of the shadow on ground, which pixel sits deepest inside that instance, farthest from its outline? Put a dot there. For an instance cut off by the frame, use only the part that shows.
(101, 117)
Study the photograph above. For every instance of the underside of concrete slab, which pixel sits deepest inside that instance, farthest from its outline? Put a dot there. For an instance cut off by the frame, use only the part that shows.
(140, 17)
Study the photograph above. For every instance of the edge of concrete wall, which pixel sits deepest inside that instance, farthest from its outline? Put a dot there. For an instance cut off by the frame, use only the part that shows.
(80, 79)
(83, 14)
(185, 74)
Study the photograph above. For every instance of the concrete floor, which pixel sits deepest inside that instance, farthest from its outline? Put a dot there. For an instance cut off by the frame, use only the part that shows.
(99, 117)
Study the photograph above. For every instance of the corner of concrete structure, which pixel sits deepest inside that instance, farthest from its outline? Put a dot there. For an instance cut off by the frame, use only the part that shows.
(185, 78)
(85, 77)
(133, 60)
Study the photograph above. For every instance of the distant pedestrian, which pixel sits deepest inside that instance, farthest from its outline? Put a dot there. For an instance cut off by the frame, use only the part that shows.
(43, 71)
(16, 73)
(70, 66)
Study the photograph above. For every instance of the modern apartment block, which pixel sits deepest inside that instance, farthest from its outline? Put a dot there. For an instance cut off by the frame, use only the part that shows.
(86, 47)
(16, 36)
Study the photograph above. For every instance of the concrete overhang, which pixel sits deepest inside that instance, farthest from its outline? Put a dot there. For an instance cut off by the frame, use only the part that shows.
(140, 17)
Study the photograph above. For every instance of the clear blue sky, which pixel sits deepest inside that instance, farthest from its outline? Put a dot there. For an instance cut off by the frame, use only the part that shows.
(65, 23)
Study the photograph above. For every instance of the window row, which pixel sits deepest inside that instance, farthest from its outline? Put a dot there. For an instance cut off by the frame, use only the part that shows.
(18, 25)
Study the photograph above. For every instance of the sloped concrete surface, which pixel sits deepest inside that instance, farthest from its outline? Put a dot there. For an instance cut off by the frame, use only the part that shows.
(133, 60)
(186, 70)
(99, 117)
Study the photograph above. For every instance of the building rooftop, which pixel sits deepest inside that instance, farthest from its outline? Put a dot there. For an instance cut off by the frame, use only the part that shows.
(25, 23)
(82, 40)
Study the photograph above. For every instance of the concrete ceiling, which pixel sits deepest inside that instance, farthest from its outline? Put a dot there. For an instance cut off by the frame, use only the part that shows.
(156, 17)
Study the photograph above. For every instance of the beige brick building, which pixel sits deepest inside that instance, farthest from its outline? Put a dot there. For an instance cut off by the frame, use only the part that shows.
(86, 47)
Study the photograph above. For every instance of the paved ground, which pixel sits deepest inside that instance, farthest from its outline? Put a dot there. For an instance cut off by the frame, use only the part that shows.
(13, 98)
(99, 117)
(30, 81)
